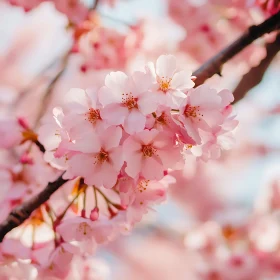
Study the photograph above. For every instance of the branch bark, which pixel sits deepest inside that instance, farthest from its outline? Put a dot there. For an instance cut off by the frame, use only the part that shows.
(22, 212)
(214, 65)
(255, 75)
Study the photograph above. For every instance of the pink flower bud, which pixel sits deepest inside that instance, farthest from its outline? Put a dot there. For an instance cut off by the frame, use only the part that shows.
(94, 214)
(26, 159)
(83, 213)
(23, 123)
(120, 207)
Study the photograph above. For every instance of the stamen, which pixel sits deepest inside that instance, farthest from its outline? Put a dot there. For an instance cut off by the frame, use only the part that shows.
(101, 157)
(192, 112)
(164, 83)
(93, 115)
(129, 101)
(142, 186)
(148, 150)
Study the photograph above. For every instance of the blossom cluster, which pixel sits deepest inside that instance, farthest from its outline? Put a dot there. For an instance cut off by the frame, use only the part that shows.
(126, 136)
(138, 126)
(115, 144)
(104, 48)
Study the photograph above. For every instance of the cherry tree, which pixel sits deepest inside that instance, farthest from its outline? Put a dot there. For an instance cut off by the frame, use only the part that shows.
(103, 120)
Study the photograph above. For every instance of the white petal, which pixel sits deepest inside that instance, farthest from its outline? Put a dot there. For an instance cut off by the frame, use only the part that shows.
(107, 96)
(116, 81)
(182, 80)
(205, 97)
(166, 66)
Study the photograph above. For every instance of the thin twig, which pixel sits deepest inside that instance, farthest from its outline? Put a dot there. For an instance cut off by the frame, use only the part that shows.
(47, 95)
(34, 82)
(214, 65)
(255, 75)
(22, 212)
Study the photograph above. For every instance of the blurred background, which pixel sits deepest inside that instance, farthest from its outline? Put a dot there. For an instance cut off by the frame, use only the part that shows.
(220, 215)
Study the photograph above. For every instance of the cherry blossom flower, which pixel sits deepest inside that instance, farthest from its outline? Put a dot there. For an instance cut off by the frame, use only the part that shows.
(82, 109)
(102, 48)
(140, 197)
(169, 84)
(85, 230)
(127, 100)
(101, 159)
(203, 109)
(59, 262)
(150, 153)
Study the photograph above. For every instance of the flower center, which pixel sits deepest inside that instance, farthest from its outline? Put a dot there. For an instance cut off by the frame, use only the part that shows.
(101, 157)
(148, 150)
(93, 115)
(164, 84)
(84, 228)
(192, 111)
(142, 186)
(129, 101)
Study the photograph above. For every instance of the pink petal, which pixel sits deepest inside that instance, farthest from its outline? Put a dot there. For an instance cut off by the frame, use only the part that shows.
(147, 136)
(135, 122)
(116, 156)
(134, 164)
(109, 175)
(111, 137)
(148, 103)
(88, 143)
(114, 114)
(152, 169)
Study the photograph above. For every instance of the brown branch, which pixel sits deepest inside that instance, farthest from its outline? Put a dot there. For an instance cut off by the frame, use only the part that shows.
(255, 75)
(22, 212)
(214, 65)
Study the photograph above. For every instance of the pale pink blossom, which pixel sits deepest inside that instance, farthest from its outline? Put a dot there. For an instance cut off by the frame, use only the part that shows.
(169, 84)
(86, 231)
(150, 153)
(59, 262)
(101, 158)
(127, 100)
(82, 109)
(103, 48)
(203, 109)
(13, 249)
(140, 197)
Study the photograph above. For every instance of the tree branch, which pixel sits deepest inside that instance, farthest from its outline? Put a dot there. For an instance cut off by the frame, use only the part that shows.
(22, 212)
(214, 65)
(255, 75)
